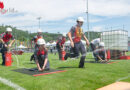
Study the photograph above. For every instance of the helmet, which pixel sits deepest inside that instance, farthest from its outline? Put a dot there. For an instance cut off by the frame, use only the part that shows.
(8, 29)
(80, 19)
(102, 44)
(64, 35)
(39, 30)
(41, 41)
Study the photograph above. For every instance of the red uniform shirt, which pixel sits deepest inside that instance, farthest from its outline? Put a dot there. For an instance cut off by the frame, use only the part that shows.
(61, 41)
(40, 52)
(7, 37)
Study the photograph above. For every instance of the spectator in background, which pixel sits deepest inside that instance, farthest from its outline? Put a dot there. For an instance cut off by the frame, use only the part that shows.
(51, 49)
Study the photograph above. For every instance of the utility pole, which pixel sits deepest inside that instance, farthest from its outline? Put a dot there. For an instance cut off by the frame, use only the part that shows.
(39, 18)
(87, 18)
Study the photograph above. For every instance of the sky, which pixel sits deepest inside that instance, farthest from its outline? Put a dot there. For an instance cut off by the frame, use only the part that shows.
(60, 15)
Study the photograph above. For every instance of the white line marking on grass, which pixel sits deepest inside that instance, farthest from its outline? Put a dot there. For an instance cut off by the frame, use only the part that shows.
(9, 83)
(122, 78)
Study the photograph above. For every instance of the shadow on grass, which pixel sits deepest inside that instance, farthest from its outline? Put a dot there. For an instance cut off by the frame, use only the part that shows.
(96, 62)
(109, 62)
(66, 67)
(29, 63)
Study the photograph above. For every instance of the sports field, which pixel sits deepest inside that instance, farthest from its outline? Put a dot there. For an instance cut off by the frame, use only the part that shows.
(93, 76)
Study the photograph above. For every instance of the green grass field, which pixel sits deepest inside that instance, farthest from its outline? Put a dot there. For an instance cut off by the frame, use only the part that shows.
(93, 76)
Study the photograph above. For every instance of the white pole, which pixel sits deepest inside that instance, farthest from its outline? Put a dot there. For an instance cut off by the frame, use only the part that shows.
(87, 18)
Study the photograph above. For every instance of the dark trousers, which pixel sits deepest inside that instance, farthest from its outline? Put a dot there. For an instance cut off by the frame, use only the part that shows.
(101, 54)
(59, 52)
(78, 48)
(3, 50)
(93, 47)
(41, 60)
(32, 58)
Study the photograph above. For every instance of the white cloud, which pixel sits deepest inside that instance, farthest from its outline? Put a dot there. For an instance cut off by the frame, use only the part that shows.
(48, 9)
(95, 20)
(97, 28)
(70, 21)
(109, 7)
(53, 10)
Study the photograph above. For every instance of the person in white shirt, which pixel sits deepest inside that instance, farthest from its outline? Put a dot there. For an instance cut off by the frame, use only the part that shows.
(94, 43)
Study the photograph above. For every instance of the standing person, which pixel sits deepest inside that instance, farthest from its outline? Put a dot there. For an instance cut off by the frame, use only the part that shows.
(75, 35)
(41, 56)
(35, 39)
(51, 49)
(100, 53)
(6, 44)
(95, 43)
(60, 45)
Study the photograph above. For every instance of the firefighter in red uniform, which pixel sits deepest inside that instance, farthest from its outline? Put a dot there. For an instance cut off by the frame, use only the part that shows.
(6, 44)
(35, 39)
(60, 45)
(75, 35)
(41, 56)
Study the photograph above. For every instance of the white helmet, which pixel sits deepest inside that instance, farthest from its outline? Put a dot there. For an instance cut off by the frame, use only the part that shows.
(41, 41)
(102, 44)
(80, 19)
(64, 35)
(8, 29)
(39, 30)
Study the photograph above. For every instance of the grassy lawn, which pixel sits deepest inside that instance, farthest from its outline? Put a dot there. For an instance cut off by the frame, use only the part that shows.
(128, 53)
(93, 76)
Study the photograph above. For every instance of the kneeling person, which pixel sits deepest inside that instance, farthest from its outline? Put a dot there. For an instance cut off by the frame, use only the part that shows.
(100, 53)
(41, 56)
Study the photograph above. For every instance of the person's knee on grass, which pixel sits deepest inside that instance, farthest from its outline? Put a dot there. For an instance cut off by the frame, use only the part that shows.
(41, 56)
(100, 53)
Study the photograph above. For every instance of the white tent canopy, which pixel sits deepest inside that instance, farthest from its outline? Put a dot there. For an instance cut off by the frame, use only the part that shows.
(48, 44)
(53, 44)
(21, 46)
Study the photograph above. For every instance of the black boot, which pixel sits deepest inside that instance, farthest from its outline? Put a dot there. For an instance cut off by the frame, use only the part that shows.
(81, 64)
(66, 56)
(32, 57)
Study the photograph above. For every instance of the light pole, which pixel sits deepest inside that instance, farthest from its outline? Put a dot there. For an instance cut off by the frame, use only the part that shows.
(87, 18)
(39, 18)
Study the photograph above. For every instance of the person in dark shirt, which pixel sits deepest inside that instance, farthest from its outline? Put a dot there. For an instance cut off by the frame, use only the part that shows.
(75, 35)
(60, 45)
(5, 41)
